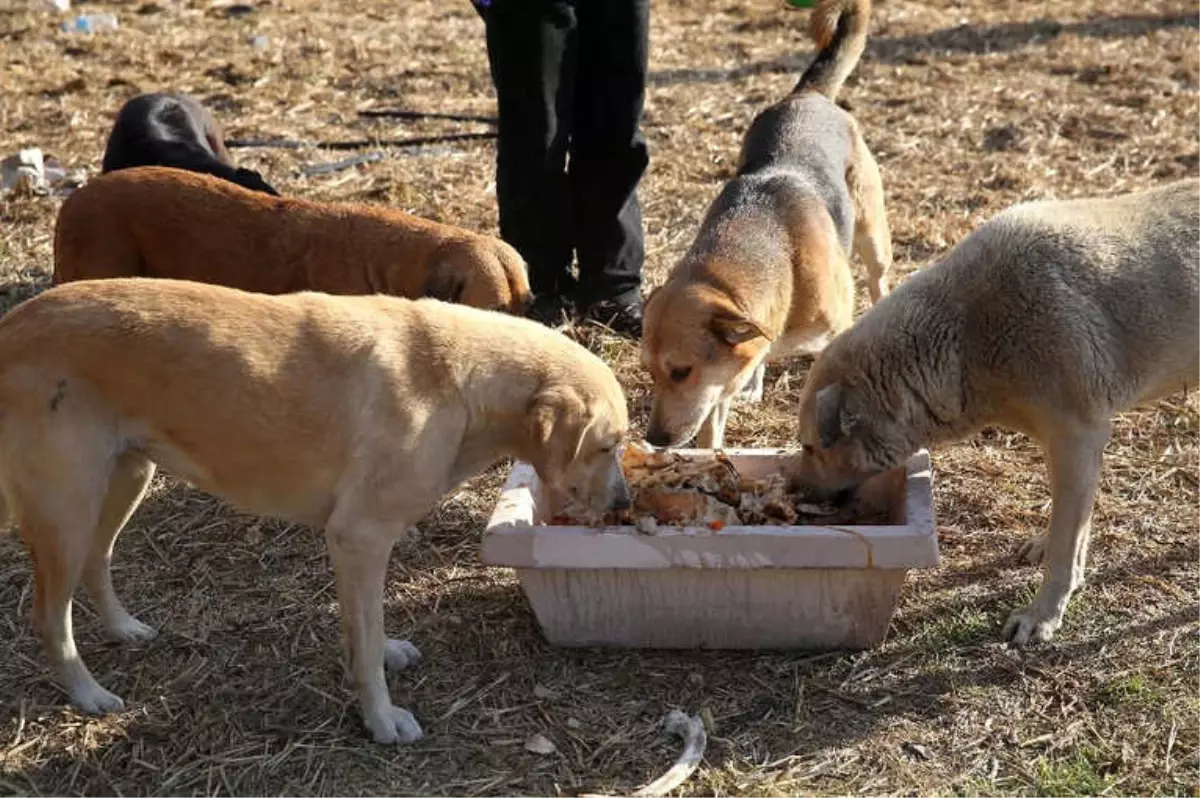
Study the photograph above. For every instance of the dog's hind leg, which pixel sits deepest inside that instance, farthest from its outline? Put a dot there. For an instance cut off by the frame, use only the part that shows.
(127, 485)
(1075, 457)
(359, 551)
(57, 529)
(872, 236)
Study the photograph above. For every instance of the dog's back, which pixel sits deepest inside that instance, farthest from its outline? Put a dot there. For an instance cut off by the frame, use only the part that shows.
(166, 222)
(162, 222)
(802, 145)
(799, 147)
(1089, 304)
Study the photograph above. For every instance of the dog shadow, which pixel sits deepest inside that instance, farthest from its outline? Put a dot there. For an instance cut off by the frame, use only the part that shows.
(246, 672)
(22, 285)
(966, 39)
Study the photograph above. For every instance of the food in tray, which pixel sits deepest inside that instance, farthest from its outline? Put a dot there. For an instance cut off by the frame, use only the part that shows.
(672, 490)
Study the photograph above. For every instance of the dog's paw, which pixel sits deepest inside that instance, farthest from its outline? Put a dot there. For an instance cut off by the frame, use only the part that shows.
(1025, 626)
(400, 654)
(1032, 550)
(394, 726)
(128, 629)
(92, 699)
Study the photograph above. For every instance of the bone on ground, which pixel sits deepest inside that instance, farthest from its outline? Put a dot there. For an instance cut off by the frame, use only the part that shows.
(691, 729)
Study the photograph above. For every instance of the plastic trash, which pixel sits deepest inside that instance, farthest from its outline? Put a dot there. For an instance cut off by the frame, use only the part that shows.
(23, 174)
(59, 5)
(259, 42)
(29, 173)
(91, 23)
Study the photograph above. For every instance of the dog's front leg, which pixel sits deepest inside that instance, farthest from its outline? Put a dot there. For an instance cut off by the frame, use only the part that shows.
(359, 552)
(1074, 459)
(753, 392)
(712, 431)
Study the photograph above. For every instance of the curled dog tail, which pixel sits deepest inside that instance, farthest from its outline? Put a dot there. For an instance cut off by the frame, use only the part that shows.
(839, 28)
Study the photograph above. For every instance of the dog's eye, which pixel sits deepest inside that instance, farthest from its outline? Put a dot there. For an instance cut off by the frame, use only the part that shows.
(806, 448)
(681, 374)
(607, 449)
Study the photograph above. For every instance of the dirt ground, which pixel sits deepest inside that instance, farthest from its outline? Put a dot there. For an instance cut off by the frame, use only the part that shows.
(969, 107)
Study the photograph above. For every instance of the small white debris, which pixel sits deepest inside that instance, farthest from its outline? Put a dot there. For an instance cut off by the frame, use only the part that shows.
(538, 744)
(23, 174)
(574, 723)
(647, 525)
(543, 692)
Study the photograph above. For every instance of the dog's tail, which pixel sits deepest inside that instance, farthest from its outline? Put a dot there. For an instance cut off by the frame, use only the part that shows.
(839, 28)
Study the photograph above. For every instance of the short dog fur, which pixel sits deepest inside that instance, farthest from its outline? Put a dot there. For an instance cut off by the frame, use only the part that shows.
(355, 414)
(768, 275)
(174, 130)
(1049, 319)
(157, 222)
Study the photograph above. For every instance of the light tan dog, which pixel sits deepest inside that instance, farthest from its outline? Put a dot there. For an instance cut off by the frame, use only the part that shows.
(355, 414)
(162, 222)
(1049, 319)
(768, 275)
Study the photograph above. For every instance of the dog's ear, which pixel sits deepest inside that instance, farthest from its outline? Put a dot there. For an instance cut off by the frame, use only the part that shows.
(834, 420)
(445, 281)
(735, 330)
(556, 427)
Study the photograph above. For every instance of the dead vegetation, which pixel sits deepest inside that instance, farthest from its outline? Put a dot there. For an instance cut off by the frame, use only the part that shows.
(969, 106)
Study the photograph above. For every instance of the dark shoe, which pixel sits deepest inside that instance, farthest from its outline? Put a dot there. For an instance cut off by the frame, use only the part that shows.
(624, 317)
(549, 309)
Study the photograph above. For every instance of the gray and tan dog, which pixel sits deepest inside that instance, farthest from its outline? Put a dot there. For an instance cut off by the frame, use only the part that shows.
(354, 414)
(768, 275)
(1049, 319)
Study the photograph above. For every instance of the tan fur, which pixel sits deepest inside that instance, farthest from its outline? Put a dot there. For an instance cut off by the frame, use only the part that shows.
(1049, 319)
(768, 276)
(160, 222)
(354, 414)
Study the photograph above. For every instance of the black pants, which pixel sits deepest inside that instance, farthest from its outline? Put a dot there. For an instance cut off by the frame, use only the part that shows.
(570, 81)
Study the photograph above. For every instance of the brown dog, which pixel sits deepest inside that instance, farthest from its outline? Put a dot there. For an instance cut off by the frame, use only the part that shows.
(768, 275)
(355, 414)
(1049, 319)
(160, 222)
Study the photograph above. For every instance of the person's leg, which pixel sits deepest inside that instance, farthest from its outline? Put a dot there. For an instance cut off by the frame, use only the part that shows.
(609, 155)
(531, 52)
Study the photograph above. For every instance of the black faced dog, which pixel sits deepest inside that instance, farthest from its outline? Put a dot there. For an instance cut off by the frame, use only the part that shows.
(177, 131)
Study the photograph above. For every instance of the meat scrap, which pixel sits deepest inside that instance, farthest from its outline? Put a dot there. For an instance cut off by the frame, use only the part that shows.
(672, 490)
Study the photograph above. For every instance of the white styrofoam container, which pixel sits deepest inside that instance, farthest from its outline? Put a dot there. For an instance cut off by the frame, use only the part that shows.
(744, 587)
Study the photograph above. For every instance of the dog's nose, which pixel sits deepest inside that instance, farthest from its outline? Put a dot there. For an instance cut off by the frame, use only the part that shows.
(657, 437)
(842, 497)
(621, 499)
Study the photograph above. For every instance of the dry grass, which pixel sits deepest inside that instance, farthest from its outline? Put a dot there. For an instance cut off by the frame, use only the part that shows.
(969, 106)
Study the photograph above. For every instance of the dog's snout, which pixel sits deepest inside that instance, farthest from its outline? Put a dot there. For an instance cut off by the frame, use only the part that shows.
(842, 497)
(656, 436)
(621, 498)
